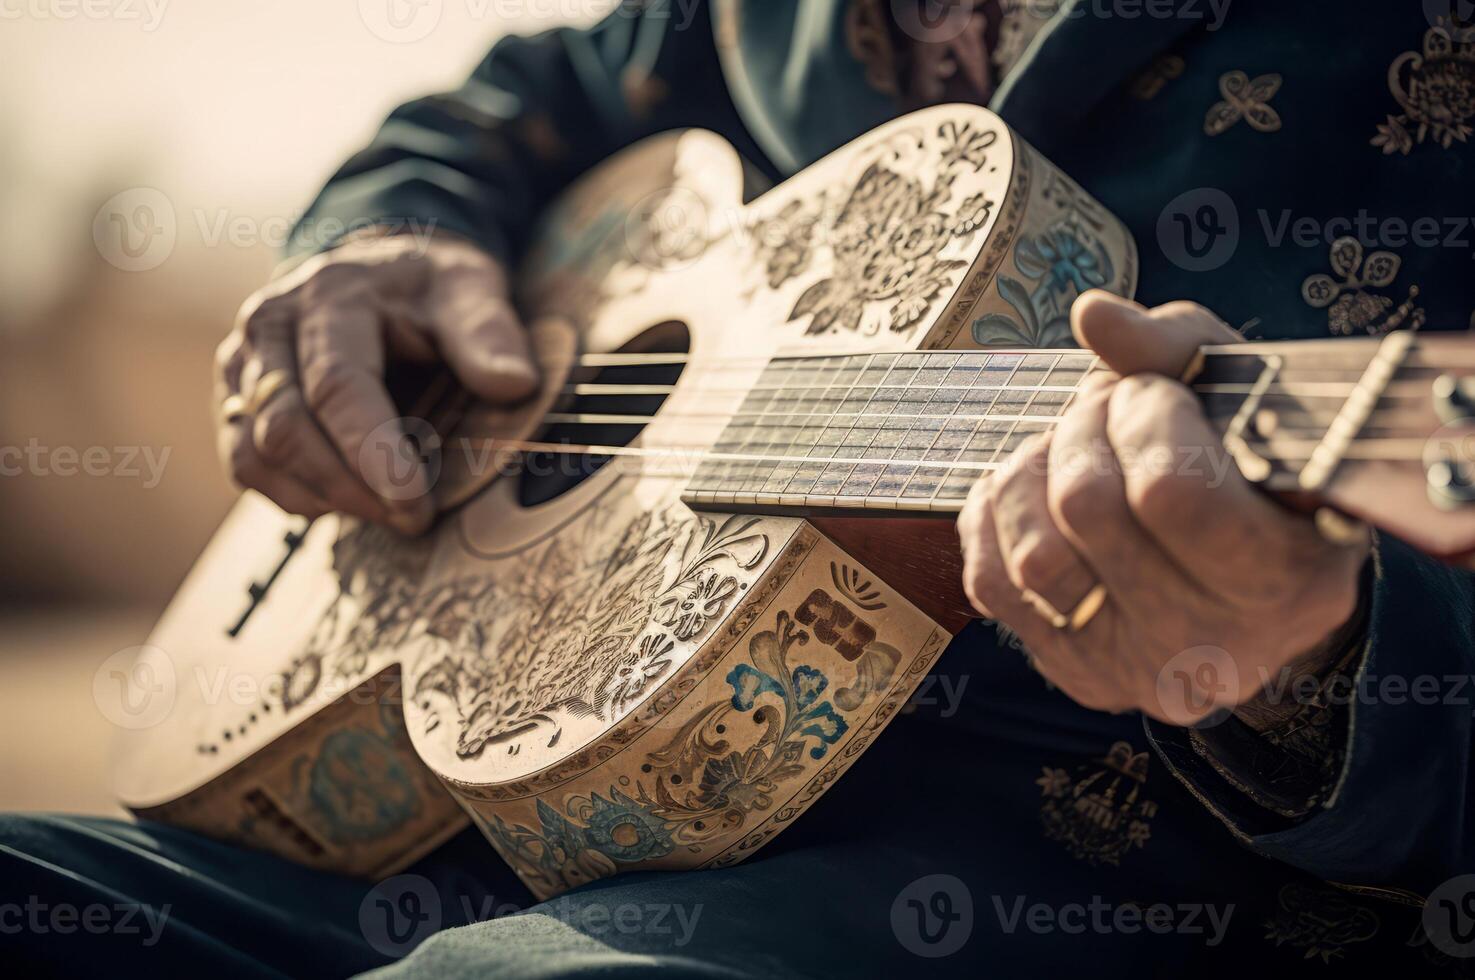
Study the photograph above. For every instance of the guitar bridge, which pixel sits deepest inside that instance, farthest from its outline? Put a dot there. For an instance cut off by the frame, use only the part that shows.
(256, 591)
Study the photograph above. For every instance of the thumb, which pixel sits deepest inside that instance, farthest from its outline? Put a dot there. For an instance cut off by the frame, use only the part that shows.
(1132, 339)
(481, 336)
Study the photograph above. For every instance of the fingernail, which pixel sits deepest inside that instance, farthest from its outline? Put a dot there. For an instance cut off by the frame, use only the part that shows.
(518, 377)
(512, 364)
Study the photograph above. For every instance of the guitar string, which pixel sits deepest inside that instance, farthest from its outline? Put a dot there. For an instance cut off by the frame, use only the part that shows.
(939, 473)
(1416, 356)
(1307, 421)
(780, 417)
(1369, 449)
(1275, 448)
(1308, 389)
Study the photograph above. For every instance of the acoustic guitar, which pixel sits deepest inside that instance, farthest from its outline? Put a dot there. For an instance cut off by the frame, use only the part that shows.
(671, 599)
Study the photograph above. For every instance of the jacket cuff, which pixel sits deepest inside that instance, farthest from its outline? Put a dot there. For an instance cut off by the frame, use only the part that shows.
(1394, 813)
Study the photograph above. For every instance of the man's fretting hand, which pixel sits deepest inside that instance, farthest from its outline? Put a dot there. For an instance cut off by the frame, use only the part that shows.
(326, 330)
(1213, 588)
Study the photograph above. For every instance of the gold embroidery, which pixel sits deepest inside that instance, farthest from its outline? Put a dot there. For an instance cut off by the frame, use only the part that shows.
(1436, 89)
(1350, 306)
(1320, 921)
(1164, 68)
(1244, 99)
(1098, 813)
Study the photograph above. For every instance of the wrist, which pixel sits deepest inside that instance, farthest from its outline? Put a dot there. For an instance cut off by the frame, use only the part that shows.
(1305, 683)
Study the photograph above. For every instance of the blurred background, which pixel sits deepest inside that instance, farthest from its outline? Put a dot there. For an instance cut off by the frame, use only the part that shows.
(153, 156)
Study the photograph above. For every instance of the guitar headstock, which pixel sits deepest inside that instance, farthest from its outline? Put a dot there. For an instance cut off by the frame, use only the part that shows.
(1380, 429)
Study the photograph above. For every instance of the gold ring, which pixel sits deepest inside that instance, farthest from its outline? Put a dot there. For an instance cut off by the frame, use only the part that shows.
(234, 408)
(266, 389)
(1087, 608)
(1079, 617)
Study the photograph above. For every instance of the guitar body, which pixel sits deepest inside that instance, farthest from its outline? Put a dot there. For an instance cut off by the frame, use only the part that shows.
(610, 680)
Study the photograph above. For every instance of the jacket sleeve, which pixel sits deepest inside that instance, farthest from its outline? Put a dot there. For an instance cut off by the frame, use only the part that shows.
(484, 160)
(1395, 811)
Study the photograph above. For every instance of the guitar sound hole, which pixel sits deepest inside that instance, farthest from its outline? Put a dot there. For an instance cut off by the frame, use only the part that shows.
(547, 475)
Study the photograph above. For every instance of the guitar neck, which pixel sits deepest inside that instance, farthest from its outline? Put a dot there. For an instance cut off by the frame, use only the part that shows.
(907, 434)
(912, 432)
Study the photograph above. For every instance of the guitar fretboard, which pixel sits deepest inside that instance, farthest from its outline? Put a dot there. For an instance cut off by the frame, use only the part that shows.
(882, 431)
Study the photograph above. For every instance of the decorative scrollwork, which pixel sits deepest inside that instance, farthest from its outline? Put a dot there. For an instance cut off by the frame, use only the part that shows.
(587, 628)
(728, 762)
(1435, 88)
(887, 236)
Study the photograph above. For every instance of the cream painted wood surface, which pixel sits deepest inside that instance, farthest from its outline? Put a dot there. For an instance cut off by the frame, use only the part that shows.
(608, 681)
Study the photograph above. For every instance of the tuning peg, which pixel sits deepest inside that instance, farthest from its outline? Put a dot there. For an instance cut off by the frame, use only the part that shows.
(1454, 398)
(1450, 485)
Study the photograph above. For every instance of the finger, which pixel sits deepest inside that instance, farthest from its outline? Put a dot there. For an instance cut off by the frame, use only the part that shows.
(986, 580)
(1132, 339)
(1058, 656)
(286, 437)
(1039, 559)
(1185, 492)
(230, 355)
(480, 335)
(340, 353)
(248, 471)
(976, 512)
(1088, 500)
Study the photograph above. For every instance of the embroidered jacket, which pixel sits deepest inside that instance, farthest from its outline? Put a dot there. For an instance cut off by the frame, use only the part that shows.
(1333, 141)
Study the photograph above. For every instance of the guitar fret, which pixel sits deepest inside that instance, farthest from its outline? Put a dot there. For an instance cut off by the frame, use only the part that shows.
(1012, 425)
(884, 430)
(833, 481)
(926, 481)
